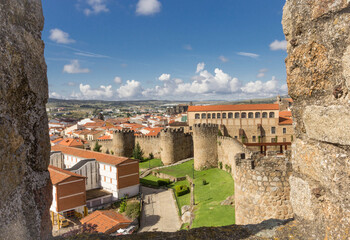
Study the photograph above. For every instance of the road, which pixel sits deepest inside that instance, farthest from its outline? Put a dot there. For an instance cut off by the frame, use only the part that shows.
(159, 211)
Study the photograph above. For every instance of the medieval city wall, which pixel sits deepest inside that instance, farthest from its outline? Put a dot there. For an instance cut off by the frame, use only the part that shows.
(106, 144)
(262, 189)
(227, 149)
(149, 144)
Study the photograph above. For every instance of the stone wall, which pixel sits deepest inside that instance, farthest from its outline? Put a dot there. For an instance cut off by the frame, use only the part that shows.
(175, 145)
(262, 189)
(149, 145)
(123, 143)
(25, 186)
(318, 77)
(107, 144)
(227, 149)
(205, 145)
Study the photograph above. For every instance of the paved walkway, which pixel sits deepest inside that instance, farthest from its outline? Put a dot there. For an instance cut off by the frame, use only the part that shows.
(159, 211)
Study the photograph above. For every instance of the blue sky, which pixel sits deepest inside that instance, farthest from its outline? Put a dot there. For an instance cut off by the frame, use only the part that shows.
(164, 49)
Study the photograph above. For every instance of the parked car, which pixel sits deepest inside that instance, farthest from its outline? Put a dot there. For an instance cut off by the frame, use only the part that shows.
(126, 231)
(64, 223)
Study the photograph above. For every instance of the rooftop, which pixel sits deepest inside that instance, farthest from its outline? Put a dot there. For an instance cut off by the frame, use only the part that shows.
(240, 107)
(58, 175)
(100, 157)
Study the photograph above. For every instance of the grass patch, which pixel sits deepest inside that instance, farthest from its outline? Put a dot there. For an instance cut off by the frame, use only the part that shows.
(184, 199)
(180, 170)
(150, 163)
(149, 180)
(208, 198)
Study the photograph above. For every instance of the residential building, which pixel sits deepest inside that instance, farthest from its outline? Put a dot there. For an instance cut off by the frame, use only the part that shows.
(68, 191)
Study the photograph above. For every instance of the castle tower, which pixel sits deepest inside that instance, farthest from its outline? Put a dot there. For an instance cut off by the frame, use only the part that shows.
(262, 189)
(175, 145)
(123, 143)
(205, 145)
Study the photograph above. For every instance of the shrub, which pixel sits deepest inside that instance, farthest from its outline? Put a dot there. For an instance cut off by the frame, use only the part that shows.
(122, 206)
(133, 210)
(205, 182)
(112, 152)
(163, 182)
(181, 190)
(148, 182)
(107, 151)
(220, 165)
(97, 147)
(137, 153)
(150, 156)
(220, 133)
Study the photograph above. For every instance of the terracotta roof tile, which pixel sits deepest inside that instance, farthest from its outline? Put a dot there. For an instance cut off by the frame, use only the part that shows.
(105, 220)
(240, 107)
(285, 121)
(104, 137)
(71, 142)
(285, 114)
(100, 157)
(58, 175)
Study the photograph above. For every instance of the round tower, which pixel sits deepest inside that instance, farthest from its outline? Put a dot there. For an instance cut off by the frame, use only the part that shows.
(205, 145)
(123, 142)
(262, 189)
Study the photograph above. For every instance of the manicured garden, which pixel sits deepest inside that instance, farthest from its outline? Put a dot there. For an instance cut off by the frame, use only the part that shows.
(150, 163)
(212, 186)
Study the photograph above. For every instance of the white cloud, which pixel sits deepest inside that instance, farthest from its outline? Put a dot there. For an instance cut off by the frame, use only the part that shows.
(132, 89)
(278, 45)
(74, 67)
(188, 47)
(118, 80)
(262, 73)
(148, 7)
(164, 77)
(284, 88)
(223, 59)
(101, 93)
(200, 67)
(95, 7)
(246, 54)
(58, 36)
(262, 89)
(54, 95)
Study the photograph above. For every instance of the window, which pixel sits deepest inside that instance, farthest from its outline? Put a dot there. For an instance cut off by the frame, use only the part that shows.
(104, 178)
(213, 116)
(111, 180)
(257, 115)
(254, 138)
(218, 115)
(250, 115)
(243, 115)
(236, 137)
(104, 167)
(204, 115)
(110, 168)
(196, 116)
(273, 130)
(224, 115)
(230, 115)
(271, 115)
(209, 115)
(236, 115)
(284, 130)
(191, 128)
(264, 115)
(273, 140)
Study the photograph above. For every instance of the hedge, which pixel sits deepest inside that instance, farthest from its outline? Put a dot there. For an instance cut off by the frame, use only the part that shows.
(181, 190)
(163, 182)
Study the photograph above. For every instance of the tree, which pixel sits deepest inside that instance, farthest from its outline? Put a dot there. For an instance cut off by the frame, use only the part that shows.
(220, 133)
(107, 151)
(137, 153)
(97, 147)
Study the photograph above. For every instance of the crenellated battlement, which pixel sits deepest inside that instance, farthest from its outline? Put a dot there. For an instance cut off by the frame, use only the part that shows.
(173, 130)
(125, 131)
(147, 137)
(205, 125)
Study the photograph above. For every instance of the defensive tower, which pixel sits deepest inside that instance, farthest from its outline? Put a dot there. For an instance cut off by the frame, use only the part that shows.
(123, 142)
(205, 145)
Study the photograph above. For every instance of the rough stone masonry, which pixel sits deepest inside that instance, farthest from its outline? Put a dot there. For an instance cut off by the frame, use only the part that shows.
(25, 186)
(318, 77)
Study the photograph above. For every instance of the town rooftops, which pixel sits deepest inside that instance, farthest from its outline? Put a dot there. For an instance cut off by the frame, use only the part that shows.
(239, 107)
(285, 118)
(100, 157)
(72, 142)
(106, 221)
(58, 175)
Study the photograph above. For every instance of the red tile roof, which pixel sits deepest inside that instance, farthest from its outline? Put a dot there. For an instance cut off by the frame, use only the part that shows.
(104, 137)
(285, 114)
(58, 175)
(153, 131)
(57, 140)
(285, 121)
(71, 142)
(100, 157)
(106, 221)
(241, 107)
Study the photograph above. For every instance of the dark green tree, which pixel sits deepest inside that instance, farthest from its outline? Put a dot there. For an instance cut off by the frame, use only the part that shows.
(97, 147)
(137, 153)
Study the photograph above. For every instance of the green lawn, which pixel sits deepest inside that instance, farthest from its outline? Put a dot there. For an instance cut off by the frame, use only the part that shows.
(149, 180)
(180, 170)
(150, 163)
(208, 197)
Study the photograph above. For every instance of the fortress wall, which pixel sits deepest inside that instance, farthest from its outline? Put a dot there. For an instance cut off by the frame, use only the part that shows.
(205, 145)
(175, 145)
(262, 189)
(227, 149)
(149, 145)
(107, 144)
(123, 143)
